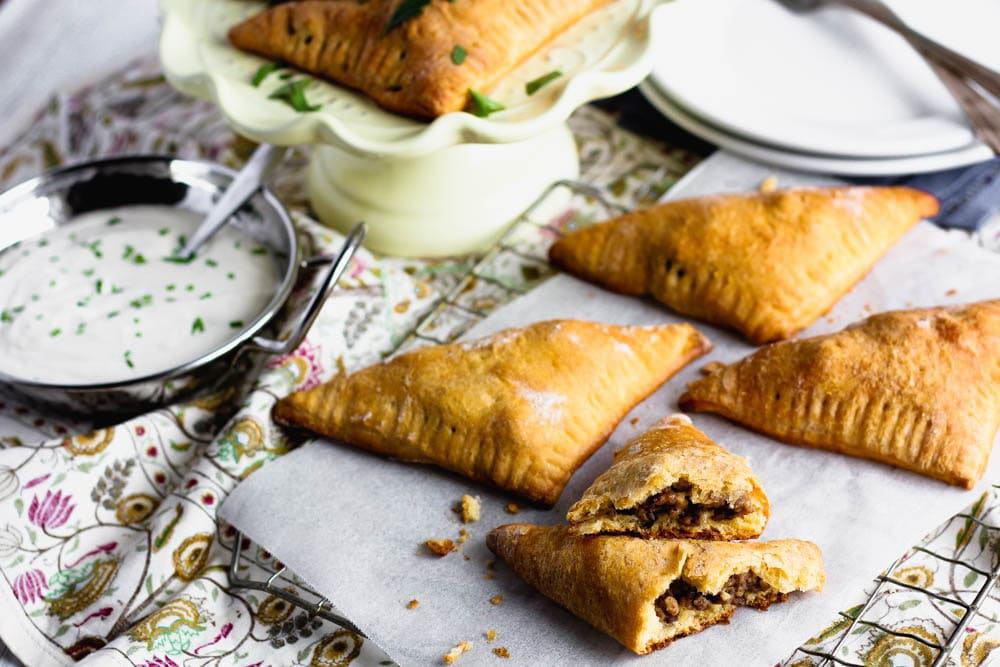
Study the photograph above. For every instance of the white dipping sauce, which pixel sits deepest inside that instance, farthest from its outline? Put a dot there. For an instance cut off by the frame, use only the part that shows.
(98, 301)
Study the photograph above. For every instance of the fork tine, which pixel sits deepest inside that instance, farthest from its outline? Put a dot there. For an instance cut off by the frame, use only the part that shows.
(982, 115)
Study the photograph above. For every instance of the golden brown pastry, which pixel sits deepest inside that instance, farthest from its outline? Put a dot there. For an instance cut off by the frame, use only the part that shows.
(647, 593)
(919, 389)
(522, 409)
(765, 264)
(409, 66)
(673, 481)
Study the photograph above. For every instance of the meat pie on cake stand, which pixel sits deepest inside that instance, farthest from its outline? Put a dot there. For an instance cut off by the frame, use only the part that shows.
(443, 187)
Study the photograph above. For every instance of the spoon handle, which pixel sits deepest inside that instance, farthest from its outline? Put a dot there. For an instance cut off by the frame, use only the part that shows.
(246, 183)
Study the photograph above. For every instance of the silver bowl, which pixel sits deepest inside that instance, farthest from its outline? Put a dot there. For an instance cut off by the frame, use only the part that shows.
(55, 198)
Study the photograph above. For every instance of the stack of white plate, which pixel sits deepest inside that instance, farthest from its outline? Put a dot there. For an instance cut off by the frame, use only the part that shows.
(828, 91)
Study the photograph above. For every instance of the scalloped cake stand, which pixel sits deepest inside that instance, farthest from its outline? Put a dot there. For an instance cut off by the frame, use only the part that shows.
(425, 189)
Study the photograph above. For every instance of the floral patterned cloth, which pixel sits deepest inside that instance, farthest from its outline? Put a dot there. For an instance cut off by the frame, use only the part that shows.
(110, 549)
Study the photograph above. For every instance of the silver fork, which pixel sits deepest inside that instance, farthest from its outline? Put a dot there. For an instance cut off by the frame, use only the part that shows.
(959, 74)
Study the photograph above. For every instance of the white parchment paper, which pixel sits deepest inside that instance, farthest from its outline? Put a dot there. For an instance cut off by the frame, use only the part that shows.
(352, 524)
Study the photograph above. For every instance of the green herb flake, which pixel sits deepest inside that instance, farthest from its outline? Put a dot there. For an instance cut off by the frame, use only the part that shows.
(5, 316)
(80, 328)
(189, 287)
(115, 289)
(171, 287)
(198, 326)
(144, 300)
(263, 72)
(128, 252)
(236, 324)
(259, 250)
(114, 221)
(55, 332)
(139, 259)
(482, 106)
(231, 275)
(98, 286)
(128, 359)
(174, 259)
(458, 54)
(293, 94)
(406, 11)
(113, 314)
(163, 231)
(533, 87)
(211, 262)
(95, 247)
(206, 295)
(88, 272)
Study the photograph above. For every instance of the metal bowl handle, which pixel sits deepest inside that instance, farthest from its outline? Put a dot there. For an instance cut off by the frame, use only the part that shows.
(338, 265)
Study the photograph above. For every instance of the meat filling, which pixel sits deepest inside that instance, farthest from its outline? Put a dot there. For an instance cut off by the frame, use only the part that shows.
(675, 502)
(745, 589)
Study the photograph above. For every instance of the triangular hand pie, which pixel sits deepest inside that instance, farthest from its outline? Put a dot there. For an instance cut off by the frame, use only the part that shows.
(423, 66)
(766, 265)
(673, 481)
(918, 389)
(647, 593)
(522, 409)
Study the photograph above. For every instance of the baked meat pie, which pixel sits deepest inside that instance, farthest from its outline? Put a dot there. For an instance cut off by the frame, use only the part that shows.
(673, 481)
(420, 59)
(918, 389)
(522, 409)
(765, 264)
(648, 592)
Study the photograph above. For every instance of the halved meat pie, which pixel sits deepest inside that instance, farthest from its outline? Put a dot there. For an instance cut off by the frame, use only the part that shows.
(648, 592)
(673, 481)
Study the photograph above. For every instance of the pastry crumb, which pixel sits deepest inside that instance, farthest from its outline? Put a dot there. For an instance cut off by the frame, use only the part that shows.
(440, 547)
(496, 599)
(413, 604)
(466, 557)
(501, 652)
(469, 508)
(769, 184)
(451, 656)
(951, 292)
(463, 536)
(512, 508)
(633, 421)
(491, 635)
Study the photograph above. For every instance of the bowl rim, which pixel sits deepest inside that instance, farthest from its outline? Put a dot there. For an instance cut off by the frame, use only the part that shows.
(265, 317)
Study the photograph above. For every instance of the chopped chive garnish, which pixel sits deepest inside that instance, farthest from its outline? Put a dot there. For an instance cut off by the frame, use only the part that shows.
(34, 297)
(5, 316)
(198, 326)
(80, 328)
(171, 287)
(115, 289)
(139, 259)
(482, 106)
(128, 359)
(42, 243)
(163, 231)
(259, 250)
(99, 285)
(113, 314)
(144, 300)
(407, 10)
(211, 262)
(231, 275)
(94, 247)
(263, 72)
(293, 94)
(458, 54)
(189, 287)
(114, 221)
(174, 259)
(88, 272)
(236, 324)
(128, 252)
(206, 295)
(55, 332)
(533, 87)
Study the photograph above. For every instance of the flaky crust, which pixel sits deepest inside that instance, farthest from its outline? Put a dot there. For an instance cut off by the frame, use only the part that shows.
(522, 409)
(409, 69)
(766, 265)
(671, 451)
(612, 582)
(918, 389)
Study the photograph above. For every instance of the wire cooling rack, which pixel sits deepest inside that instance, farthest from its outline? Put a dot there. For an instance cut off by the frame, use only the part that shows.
(488, 285)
